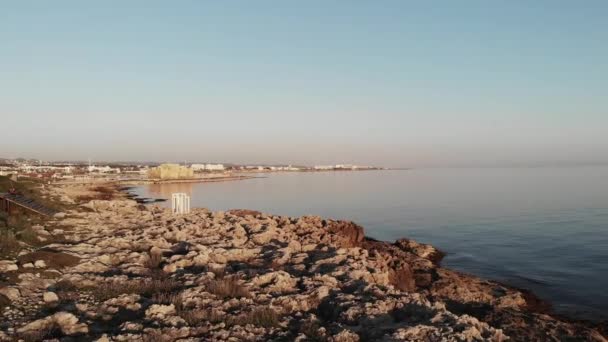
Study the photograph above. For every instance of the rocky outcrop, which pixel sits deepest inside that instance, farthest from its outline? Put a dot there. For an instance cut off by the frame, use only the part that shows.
(127, 272)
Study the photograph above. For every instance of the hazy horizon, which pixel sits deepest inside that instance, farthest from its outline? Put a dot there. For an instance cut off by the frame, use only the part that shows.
(399, 85)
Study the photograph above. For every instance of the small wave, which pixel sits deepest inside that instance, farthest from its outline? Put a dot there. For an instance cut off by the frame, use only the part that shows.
(531, 280)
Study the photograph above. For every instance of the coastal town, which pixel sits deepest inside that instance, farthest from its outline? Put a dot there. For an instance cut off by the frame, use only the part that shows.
(127, 171)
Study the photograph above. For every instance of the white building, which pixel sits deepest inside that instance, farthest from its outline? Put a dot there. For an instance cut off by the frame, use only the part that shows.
(102, 169)
(344, 166)
(208, 167)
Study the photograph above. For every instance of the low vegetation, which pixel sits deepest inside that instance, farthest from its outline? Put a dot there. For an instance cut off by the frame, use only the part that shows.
(154, 260)
(147, 287)
(228, 287)
(9, 245)
(263, 317)
(17, 227)
(105, 193)
(30, 189)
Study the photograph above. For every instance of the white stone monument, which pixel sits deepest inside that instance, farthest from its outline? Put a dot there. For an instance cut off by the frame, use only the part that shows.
(180, 203)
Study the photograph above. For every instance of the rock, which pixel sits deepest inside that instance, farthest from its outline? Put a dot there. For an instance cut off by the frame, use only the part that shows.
(181, 248)
(67, 322)
(248, 276)
(349, 233)
(103, 338)
(243, 212)
(160, 311)
(50, 297)
(402, 277)
(59, 215)
(28, 265)
(10, 292)
(276, 282)
(421, 250)
(8, 266)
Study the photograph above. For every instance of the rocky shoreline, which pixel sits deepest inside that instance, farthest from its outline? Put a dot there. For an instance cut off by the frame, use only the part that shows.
(120, 271)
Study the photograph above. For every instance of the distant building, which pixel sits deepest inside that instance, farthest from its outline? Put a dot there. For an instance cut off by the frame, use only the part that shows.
(208, 167)
(102, 169)
(170, 171)
(324, 167)
(344, 166)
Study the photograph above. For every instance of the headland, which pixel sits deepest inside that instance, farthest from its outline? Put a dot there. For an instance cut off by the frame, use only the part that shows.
(110, 269)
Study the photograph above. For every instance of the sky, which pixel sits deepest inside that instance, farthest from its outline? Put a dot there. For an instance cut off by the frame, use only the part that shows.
(390, 83)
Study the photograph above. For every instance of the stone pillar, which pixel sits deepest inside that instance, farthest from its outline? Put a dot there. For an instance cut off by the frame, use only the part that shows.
(180, 203)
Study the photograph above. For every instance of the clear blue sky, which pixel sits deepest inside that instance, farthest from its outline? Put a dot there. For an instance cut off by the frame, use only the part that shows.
(398, 83)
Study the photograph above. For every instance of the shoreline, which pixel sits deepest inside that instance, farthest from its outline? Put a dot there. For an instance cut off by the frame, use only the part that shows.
(179, 181)
(248, 275)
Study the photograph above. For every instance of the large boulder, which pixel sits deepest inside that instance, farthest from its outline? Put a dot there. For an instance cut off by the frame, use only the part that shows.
(65, 321)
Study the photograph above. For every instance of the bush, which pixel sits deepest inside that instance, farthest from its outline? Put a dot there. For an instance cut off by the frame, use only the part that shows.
(167, 298)
(9, 246)
(229, 287)
(147, 287)
(154, 260)
(29, 236)
(263, 317)
(195, 317)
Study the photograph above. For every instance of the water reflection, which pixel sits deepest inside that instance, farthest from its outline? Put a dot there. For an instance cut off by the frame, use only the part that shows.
(165, 190)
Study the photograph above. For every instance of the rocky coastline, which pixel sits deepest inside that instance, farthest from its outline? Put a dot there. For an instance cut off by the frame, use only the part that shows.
(117, 270)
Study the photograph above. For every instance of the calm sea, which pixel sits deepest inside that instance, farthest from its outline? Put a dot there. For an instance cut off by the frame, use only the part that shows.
(544, 229)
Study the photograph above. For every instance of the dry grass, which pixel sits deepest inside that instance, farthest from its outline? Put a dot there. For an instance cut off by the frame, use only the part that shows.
(218, 272)
(9, 246)
(103, 190)
(147, 287)
(192, 316)
(195, 317)
(311, 330)
(29, 236)
(98, 193)
(18, 228)
(153, 261)
(263, 317)
(167, 298)
(229, 287)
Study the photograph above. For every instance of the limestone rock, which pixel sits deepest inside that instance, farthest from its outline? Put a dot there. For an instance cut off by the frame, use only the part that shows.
(50, 297)
(160, 311)
(8, 266)
(10, 292)
(67, 322)
(299, 279)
